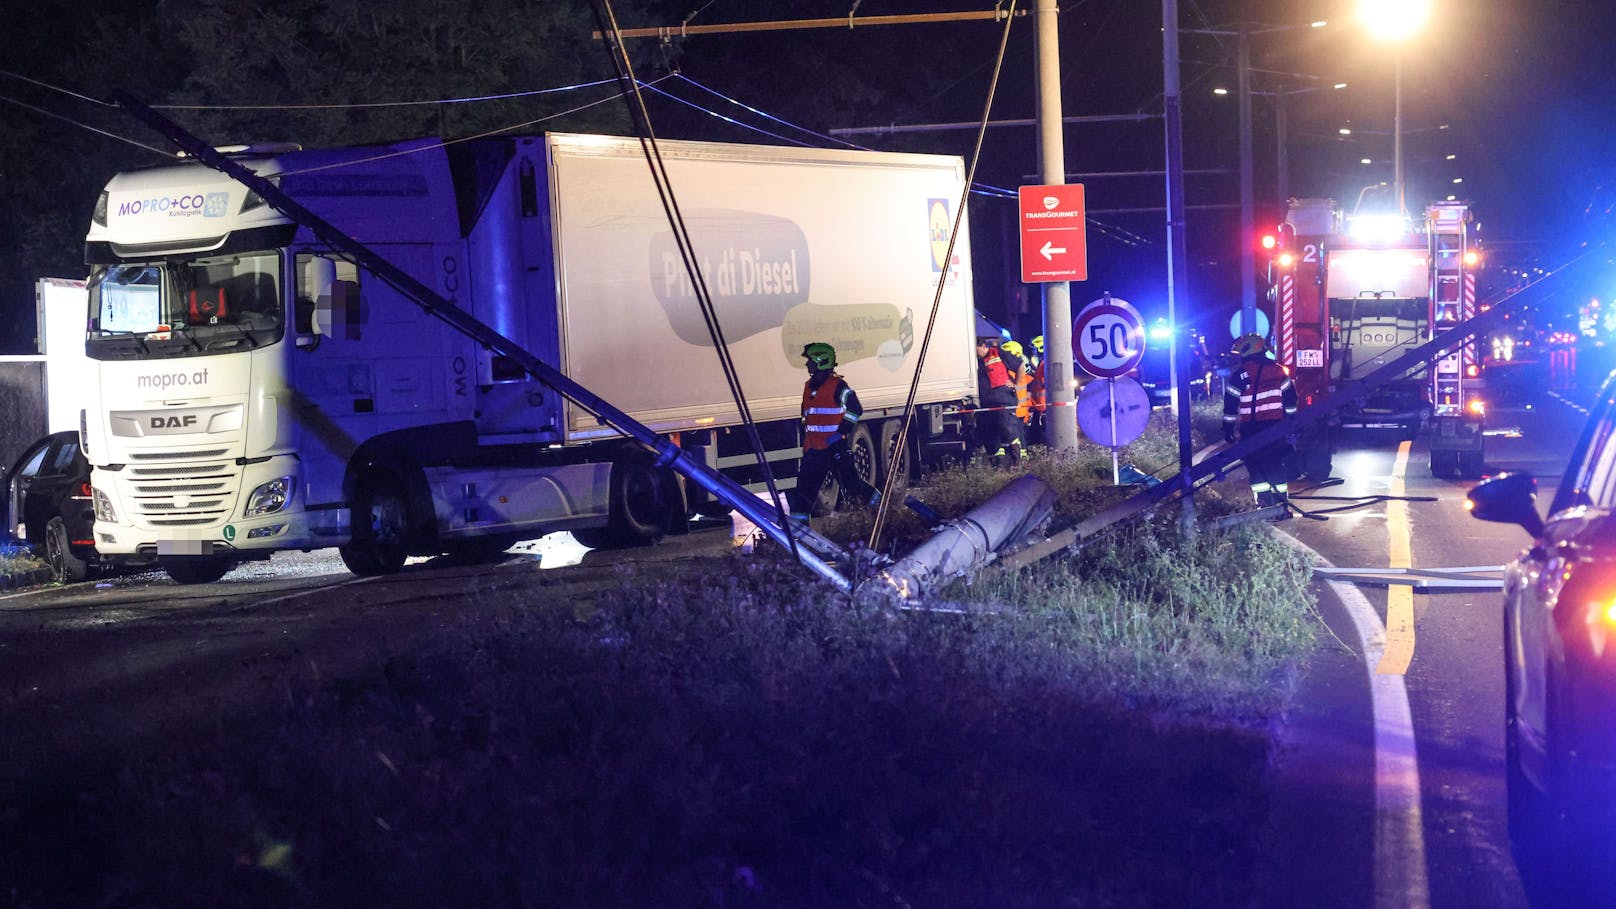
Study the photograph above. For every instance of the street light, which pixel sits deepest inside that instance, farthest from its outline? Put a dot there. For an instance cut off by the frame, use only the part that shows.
(1395, 21)
(1248, 258)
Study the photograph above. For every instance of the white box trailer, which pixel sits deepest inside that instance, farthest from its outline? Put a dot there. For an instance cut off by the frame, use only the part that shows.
(258, 392)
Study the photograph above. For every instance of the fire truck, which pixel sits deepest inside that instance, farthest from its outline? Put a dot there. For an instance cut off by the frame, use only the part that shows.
(1352, 293)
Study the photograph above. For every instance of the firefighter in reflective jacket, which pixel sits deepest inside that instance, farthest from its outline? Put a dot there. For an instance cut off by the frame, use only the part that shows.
(830, 413)
(1037, 391)
(1256, 397)
(996, 424)
(1022, 379)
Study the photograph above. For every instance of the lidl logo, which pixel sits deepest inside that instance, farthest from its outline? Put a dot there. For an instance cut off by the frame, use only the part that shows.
(939, 225)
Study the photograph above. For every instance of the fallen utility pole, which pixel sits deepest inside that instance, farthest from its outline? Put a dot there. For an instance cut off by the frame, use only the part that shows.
(816, 552)
(965, 544)
(685, 29)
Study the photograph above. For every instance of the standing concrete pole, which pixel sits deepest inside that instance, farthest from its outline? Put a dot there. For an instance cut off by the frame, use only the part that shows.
(1061, 418)
(1397, 136)
(1177, 253)
(1248, 219)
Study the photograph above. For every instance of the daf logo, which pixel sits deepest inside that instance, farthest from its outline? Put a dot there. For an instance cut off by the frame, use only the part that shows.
(173, 422)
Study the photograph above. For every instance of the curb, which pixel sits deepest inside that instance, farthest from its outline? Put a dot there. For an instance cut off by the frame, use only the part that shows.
(17, 580)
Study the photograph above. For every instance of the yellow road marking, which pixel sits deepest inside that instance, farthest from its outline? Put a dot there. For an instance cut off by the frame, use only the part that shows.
(1399, 650)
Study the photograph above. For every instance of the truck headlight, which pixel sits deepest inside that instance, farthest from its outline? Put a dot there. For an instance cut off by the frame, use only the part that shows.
(103, 507)
(270, 497)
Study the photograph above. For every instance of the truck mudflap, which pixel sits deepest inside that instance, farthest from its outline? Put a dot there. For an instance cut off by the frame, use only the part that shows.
(1457, 446)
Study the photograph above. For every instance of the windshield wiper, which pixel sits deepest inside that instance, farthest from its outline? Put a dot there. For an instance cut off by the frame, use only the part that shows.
(132, 335)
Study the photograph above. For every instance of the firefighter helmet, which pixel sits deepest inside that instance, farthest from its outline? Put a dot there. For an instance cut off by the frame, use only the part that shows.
(819, 355)
(1012, 347)
(1038, 343)
(1250, 345)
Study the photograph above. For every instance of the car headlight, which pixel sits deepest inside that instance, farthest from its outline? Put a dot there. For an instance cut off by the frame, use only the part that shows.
(269, 497)
(103, 507)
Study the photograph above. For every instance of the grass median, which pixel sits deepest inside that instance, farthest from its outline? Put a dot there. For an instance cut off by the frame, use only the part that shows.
(1091, 731)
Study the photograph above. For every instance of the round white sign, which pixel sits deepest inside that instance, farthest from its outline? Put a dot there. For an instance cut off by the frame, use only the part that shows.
(1108, 338)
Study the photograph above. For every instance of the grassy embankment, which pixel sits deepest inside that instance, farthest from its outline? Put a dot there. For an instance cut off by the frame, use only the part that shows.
(1093, 731)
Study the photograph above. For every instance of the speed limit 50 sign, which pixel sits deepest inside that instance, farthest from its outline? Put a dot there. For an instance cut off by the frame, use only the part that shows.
(1108, 338)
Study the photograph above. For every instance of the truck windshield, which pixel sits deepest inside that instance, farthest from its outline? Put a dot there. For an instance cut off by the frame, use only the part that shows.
(185, 307)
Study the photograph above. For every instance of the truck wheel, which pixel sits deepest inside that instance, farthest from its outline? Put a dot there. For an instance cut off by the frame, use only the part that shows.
(866, 459)
(380, 519)
(641, 508)
(64, 565)
(197, 569)
(895, 463)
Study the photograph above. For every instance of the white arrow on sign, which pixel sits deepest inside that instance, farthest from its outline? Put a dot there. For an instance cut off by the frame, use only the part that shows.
(1050, 249)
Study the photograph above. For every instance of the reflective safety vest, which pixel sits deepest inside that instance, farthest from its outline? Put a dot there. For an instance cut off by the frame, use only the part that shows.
(1024, 394)
(822, 412)
(1263, 398)
(998, 376)
(1036, 390)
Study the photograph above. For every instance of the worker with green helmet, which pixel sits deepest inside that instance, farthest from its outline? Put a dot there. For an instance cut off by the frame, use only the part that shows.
(1258, 395)
(830, 412)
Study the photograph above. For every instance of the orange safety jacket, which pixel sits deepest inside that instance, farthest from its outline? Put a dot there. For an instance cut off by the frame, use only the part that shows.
(1036, 390)
(823, 410)
(1024, 394)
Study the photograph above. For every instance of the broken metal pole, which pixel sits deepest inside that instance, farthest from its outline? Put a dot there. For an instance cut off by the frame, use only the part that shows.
(966, 544)
(816, 552)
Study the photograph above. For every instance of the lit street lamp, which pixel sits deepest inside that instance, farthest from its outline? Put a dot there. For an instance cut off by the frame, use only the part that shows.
(1395, 21)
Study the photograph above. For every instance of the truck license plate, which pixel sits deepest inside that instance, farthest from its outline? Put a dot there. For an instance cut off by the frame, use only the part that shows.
(1310, 359)
(184, 548)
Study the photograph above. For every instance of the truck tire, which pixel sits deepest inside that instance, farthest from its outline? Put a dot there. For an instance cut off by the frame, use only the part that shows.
(380, 522)
(197, 569)
(895, 465)
(64, 565)
(866, 457)
(642, 505)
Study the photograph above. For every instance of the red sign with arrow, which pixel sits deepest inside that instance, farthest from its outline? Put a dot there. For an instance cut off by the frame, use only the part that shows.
(1054, 243)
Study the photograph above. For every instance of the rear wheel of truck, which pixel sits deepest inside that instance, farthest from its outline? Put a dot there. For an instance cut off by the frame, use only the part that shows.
(896, 463)
(866, 457)
(642, 504)
(380, 520)
(197, 569)
(64, 565)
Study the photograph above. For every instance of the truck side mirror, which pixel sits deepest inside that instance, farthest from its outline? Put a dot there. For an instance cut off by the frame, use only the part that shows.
(319, 277)
(1509, 498)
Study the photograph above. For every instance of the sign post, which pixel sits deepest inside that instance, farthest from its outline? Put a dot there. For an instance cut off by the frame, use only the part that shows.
(1108, 338)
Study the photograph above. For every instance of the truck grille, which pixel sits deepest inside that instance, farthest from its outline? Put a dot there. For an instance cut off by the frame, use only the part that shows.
(167, 493)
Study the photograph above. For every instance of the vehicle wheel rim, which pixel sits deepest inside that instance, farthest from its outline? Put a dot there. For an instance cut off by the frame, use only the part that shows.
(389, 520)
(53, 554)
(864, 459)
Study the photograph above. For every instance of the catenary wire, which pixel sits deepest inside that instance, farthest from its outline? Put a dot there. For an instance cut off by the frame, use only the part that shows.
(884, 507)
(607, 19)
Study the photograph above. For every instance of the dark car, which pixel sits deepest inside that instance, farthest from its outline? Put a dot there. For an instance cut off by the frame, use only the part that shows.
(48, 506)
(1560, 664)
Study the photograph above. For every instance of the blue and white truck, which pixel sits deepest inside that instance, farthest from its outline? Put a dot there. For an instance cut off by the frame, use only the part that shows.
(259, 392)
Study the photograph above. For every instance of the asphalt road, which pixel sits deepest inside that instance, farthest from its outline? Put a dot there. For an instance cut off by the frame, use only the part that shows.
(1456, 853)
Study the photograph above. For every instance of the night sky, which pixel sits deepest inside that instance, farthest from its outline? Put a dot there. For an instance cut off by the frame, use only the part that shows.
(1519, 92)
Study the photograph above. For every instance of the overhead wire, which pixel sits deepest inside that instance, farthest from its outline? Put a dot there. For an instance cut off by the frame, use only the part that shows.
(899, 445)
(606, 18)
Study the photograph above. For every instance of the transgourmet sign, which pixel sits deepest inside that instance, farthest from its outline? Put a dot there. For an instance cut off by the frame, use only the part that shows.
(1054, 242)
